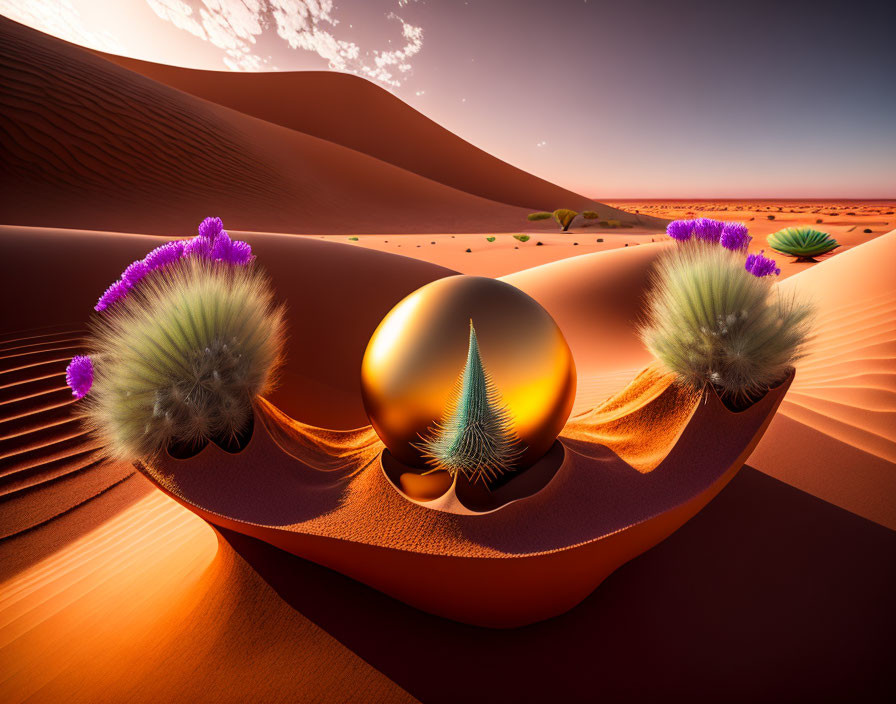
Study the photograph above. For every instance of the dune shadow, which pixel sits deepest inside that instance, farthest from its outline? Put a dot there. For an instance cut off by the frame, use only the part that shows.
(768, 593)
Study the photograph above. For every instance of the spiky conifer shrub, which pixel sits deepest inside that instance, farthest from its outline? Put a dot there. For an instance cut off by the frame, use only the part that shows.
(804, 243)
(181, 358)
(477, 435)
(713, 321)
(564, 217)
(532, 217)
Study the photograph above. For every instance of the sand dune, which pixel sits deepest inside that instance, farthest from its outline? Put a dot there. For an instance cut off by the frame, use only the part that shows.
(363, 116)
(835, 436)
(114, 150)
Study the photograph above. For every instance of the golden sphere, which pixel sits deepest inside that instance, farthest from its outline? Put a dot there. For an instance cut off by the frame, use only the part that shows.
(419, 350)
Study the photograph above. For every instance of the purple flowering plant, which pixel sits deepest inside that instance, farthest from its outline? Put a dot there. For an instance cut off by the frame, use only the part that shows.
(212, 243)
(734, 236)
(759, 265)
(79, 375)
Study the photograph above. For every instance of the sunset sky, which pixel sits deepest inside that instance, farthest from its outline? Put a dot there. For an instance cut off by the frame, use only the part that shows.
(642, 98)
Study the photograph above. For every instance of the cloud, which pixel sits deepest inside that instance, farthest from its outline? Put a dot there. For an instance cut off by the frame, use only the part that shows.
(60, 19)
(234, 25)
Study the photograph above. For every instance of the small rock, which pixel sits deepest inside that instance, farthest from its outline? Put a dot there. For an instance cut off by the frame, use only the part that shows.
(469, 250)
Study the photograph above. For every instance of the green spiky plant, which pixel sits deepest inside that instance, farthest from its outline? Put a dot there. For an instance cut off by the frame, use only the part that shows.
(476, 436)
(805, 243)
(713, 323)
(564, 217)
(533, 217)
(182, 358)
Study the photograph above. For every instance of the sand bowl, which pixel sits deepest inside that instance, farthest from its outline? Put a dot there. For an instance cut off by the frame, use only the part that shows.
(630, 473)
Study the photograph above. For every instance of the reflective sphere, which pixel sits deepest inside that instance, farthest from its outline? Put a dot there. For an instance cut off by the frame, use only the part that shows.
(418, 351)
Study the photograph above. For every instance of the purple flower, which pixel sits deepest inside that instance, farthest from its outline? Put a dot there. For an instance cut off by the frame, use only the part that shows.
(759, 265)
(112, 294)
(240, 253)
(221, 247)
(735, 236)
(680, 230)
(210, 227)
(164, 255)
(707, 229)
(198, 247)
(134, 273)
(79, 375)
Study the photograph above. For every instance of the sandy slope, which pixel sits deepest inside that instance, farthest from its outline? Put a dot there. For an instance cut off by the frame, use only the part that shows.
(113, 150)
(363, 116)
(835, 436)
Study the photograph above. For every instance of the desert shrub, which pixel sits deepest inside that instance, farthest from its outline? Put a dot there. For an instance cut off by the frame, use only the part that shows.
(522, 238)
(804, 243)
(867, 230)
(771, 217)
(818, 221)
(564, 217)
(184, 341)
(539, 244)
(353, 239)
(489, 239)
(600, 239)
(712, 319)
(538, 216)
(614, 224)
(590, 215)
(468, 250)
(181, 359)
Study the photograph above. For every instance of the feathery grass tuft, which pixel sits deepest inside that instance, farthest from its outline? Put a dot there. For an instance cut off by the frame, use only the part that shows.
(804, 243)
(180, 360)
(477, 436)
(712, 322)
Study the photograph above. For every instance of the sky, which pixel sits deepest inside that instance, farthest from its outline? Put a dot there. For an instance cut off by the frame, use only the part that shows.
(625, 99)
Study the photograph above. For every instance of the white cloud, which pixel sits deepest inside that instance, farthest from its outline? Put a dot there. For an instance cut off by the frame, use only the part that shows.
(60, 19)
(234, 26)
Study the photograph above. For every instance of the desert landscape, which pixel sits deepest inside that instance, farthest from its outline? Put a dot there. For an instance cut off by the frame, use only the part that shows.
(768, 582)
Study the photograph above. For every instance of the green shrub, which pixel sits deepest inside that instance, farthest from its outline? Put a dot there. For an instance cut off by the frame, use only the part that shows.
(712, 322)
(590, 215)
(489, 239)
(564, 217)
(804, 243)
(611, 223)
(182, 358)
(538, 216)
(522, 238)
(353, 239)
